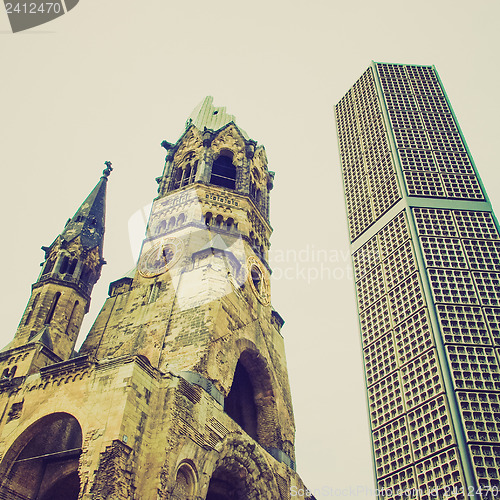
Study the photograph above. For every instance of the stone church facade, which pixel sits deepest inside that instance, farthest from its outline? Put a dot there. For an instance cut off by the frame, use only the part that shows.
(180, 390)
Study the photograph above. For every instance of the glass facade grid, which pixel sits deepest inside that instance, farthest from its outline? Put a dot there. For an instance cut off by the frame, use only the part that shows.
(427, 279)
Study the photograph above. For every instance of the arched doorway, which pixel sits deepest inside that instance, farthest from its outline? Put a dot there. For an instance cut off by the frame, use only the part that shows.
(241, 472)
(240, 402)
(251, 402)
(42, 464)
(226, 484)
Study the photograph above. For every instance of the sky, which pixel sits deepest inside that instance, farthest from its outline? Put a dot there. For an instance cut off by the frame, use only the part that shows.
(112, 79)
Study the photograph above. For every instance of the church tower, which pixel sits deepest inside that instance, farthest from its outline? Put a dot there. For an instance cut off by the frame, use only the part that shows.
(72, 265)
(180, 390)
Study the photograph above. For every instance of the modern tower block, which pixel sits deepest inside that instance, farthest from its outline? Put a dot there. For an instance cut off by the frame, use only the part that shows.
(426, 254)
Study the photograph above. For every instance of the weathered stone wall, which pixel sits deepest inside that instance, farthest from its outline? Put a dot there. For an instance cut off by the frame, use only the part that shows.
(138, 426)
(66, 320)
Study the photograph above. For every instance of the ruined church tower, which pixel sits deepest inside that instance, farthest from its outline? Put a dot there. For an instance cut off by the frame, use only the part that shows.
(180, 389)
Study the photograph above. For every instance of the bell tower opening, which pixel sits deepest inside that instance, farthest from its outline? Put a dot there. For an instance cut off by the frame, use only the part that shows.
(240, 402)
(52, 310)
(223, 170)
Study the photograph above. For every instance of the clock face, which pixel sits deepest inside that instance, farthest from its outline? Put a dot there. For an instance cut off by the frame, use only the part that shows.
(259, 280)
(160, 257)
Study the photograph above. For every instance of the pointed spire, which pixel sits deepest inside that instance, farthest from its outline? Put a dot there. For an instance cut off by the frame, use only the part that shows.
(88, 221)
(206, 115)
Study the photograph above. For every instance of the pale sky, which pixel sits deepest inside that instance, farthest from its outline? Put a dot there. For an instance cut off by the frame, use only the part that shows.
(113, 78)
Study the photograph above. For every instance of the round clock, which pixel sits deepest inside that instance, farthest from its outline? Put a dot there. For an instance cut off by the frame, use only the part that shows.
(259, 280)
(160, 257)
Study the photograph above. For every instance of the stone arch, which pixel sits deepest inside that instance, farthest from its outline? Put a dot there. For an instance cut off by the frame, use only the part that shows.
(241, 472)
(185, 170)
(230, 138)
(43, 461)
(186, 481)
(240, 402)
(252, 370)
(219, 220)
(188, 153)
(161, 228)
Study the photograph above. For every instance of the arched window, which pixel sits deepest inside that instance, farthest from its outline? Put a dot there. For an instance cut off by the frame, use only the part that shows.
(52, 309)
(223, 171)
(49, 265)
(64, 265)
(185, 483)
(162, 227)
(171, 223)
(253, 190)
(218, 220)
(72, 266)
(86, 274)
(154, 292)
(186, 175)
(178, 178)
(229, 223)
(208, 218)
(194, 170)
(32, 308)
(71, 317)
(181, 219)
(257, 196)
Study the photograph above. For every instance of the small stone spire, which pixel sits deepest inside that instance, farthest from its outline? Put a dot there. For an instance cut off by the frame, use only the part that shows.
(88, 221)
(72, 265)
